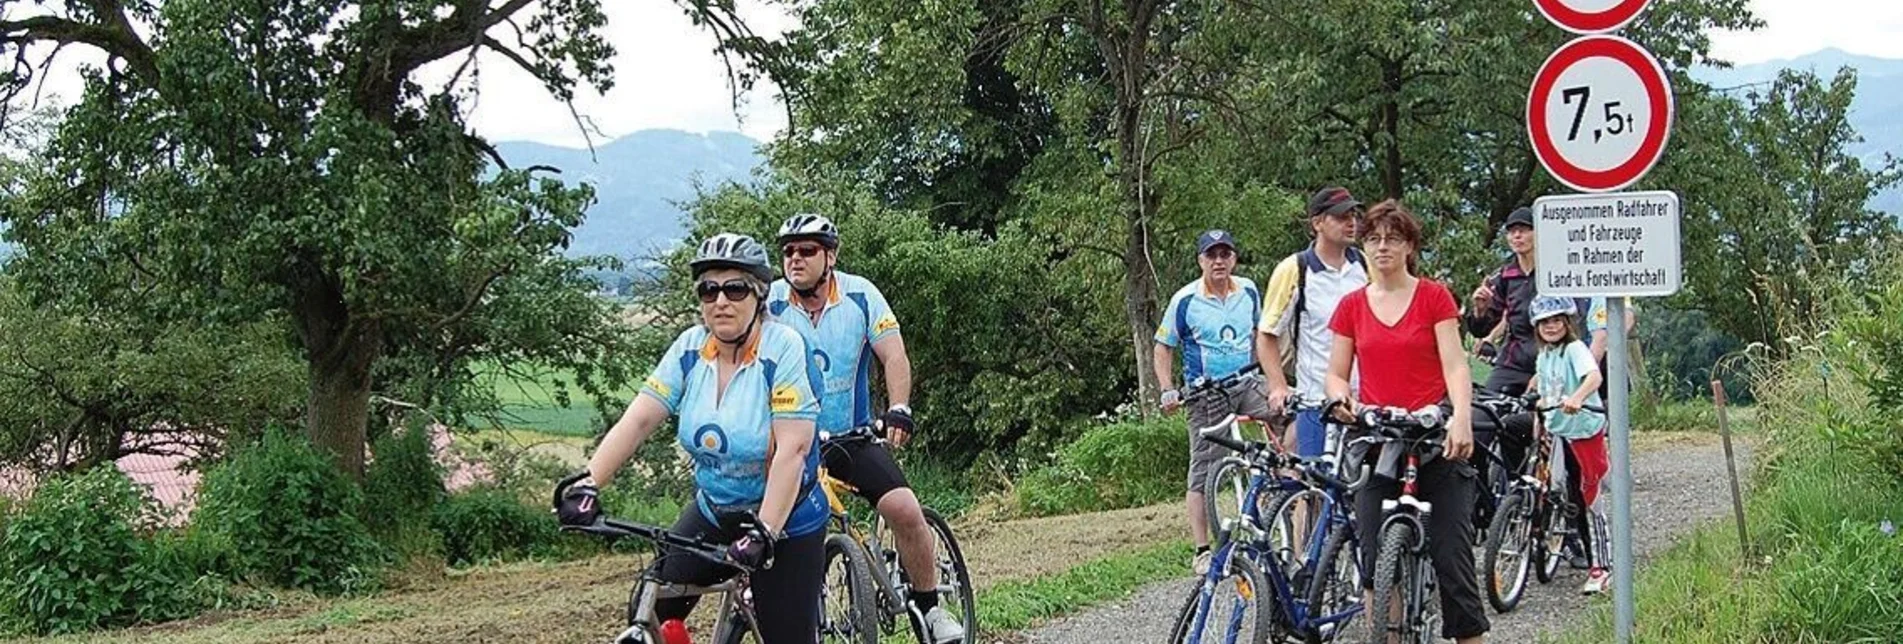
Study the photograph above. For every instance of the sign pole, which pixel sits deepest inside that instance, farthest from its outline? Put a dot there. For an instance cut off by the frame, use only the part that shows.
(1621, 434)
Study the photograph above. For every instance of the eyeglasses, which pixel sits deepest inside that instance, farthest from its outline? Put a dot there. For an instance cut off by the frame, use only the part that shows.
(1219, 252)
(736, 290)
(802, 250)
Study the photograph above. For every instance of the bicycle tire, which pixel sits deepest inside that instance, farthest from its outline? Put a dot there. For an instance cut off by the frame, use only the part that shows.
(1220, 494)
(1513, 524)
(1250, 576)
(862, 611)
(1341, 549)
(1281, 531)
(954, 557)
(1395, 559)
(1548, 568)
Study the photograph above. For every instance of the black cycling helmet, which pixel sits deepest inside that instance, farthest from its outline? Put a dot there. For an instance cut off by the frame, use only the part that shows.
(810, 226)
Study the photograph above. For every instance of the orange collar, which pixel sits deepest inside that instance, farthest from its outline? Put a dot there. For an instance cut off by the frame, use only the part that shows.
(1203, 286)
(710, 348)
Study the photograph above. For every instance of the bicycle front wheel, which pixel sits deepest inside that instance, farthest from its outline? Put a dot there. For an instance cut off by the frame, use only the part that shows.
(1227, 608)
(1334, 594)
(1225, 498)
(1508, 554)
(848, 608)
(1396, 578)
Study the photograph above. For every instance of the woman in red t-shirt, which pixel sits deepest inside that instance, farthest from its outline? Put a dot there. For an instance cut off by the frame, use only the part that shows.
(1404, 333)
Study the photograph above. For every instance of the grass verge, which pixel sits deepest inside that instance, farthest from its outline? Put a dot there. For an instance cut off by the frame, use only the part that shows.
(1017, 605)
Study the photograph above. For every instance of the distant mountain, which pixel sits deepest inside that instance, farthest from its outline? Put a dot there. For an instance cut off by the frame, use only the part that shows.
(1877, 111)
(641, 180)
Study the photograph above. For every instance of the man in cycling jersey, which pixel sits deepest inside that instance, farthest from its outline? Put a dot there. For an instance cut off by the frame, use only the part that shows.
(847, 323)
(1212, 319)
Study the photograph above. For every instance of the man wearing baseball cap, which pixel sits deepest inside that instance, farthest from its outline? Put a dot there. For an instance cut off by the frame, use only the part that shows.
(1212, 320)
(1303, 291)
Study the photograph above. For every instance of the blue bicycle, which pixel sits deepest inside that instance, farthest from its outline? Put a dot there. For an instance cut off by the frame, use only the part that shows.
(1314, 595)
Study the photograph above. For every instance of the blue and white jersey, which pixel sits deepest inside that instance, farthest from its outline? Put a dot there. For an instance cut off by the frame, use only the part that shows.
(728, 435)
(1216, 334)
(855, 317)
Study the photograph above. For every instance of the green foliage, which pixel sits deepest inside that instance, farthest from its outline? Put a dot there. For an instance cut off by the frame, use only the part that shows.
(1681, 350)
(401, 485)
(290, 517)
(73, 559)
(79, 387)
(489, 525)
(1119, 465)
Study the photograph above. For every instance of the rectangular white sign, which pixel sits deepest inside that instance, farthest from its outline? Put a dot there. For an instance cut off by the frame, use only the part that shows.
(1608, 244)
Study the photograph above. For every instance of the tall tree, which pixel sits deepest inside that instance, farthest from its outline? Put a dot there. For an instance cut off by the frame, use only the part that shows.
(237, 160)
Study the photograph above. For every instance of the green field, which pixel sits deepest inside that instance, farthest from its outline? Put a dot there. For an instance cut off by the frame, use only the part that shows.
(529, 401)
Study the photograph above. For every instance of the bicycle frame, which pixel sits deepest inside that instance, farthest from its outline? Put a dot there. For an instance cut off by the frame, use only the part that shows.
(736, 605)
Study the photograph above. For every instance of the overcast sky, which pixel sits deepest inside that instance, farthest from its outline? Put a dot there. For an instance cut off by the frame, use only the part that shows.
(667, 76)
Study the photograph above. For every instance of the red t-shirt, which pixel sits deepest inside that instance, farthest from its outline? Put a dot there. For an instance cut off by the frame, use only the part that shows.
(1400, 364)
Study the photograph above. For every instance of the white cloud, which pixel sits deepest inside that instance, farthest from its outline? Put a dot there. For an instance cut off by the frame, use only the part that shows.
(1793, 28)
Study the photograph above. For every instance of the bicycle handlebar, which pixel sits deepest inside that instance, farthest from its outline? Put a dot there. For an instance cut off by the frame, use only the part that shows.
(1205, 387)
(612, 528)
(1269, 457)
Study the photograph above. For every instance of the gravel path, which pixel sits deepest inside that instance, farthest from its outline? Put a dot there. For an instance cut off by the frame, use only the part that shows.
(1679, 482)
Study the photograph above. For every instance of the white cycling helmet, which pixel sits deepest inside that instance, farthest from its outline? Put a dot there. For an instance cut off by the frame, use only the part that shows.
(1546, 307)
(732, 250)
(810, 226)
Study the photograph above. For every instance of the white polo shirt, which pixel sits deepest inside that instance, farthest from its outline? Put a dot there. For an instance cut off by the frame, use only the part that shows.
(1326, 287)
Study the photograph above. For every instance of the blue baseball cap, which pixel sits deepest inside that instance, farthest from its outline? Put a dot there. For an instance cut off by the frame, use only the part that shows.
(1213, 239)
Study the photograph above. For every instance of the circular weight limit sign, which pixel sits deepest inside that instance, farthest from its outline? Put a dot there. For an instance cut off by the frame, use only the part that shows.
(1599, 113)
(1590, 16)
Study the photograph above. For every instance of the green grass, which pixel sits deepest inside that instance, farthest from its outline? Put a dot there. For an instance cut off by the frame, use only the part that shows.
(529, 401)
(1017, 605)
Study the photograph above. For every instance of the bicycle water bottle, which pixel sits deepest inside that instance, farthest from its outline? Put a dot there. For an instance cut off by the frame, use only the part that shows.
(674, 631)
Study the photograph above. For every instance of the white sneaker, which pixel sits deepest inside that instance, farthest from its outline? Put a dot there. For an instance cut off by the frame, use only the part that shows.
(1596, 581)
(1201, 563)
(943, 628)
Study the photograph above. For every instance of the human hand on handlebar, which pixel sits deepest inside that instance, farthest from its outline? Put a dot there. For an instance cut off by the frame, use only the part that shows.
(1170, 400)
(1345, 410)
(898, 425)
(1572, 404)
(577, 500)
(753, 549)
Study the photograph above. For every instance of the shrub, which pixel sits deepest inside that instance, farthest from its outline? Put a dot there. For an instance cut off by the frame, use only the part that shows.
(1119, 465)
(401, 485)
(72, 558)
(290, 517)
(488, 525)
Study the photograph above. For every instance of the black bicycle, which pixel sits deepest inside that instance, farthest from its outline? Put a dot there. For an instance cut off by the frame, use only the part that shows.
(735, 620)
(1404, 568)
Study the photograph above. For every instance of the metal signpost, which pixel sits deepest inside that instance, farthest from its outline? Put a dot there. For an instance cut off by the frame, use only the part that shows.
(1598, 115)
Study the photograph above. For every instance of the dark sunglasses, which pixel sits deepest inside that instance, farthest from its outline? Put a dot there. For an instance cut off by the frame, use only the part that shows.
(802, 251)
(736, 290)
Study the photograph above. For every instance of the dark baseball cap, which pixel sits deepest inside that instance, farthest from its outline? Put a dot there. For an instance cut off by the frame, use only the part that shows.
(1331, 201)
(1520, 217)
(1213, 239)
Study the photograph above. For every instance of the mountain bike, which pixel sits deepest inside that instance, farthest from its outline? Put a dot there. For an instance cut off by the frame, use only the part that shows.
(734, 622)
(1534, 518)
(1311, 596)
(1404, 567)
(873, 584)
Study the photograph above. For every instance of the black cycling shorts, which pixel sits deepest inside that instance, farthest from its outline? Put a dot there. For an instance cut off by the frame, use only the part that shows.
(865, 465)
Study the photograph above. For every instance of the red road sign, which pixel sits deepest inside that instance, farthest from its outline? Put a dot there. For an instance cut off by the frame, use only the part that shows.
(1590, 16)
(1599, 113)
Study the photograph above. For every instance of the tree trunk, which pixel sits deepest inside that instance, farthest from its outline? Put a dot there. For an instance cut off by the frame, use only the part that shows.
(337, 412)
(1139, 296)
(338, 351)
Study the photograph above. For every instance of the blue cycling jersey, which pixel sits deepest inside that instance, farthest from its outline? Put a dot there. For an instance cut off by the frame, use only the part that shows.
(729, 433)
(855, 317)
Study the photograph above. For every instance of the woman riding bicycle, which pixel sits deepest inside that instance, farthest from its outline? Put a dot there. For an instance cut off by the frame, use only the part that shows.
(743, 387)
(1403, 332)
